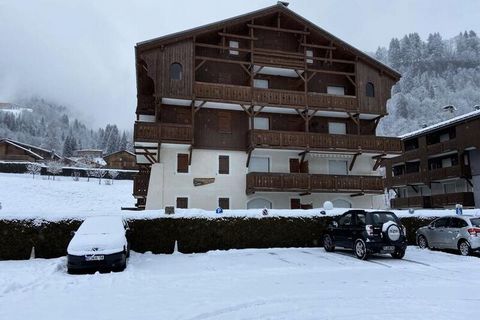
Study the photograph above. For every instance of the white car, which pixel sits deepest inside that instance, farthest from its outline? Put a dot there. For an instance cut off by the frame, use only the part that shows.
(100, 243)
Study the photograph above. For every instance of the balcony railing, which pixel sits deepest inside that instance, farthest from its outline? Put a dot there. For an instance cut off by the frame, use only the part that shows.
(323, 141)
(162, 132)
(442, 147)
(450, 199)
(276, 97)
(406, 179)
(449, 172)
(411, 202)
(304, 182)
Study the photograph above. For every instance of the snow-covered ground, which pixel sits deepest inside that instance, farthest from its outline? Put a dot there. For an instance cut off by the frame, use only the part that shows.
(39, 198)
(296, 283)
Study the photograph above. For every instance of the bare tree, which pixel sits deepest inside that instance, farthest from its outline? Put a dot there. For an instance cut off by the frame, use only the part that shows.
(99, 173)
(54, 167)
(34, 168)
(112, 174)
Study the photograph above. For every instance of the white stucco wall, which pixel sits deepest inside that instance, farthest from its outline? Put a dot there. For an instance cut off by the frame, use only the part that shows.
(205, 165)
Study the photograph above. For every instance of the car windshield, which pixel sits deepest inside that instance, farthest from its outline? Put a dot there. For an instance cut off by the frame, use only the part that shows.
(475, 222)
(101, 225)
(381, 217)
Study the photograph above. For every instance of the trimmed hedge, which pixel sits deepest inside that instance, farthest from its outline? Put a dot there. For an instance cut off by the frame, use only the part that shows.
(50, 239)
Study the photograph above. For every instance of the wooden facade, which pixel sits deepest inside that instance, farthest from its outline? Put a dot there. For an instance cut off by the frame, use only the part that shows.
(434, 156)
(207, 87)
(11, 150)
(124, 160)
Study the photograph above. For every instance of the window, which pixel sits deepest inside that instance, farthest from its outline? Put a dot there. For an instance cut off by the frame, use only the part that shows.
(440, 223)
(458, 223)
(261, 123)
(345, 220)
(309, 53)
(446, 162)
(259, 203)
(223, 165)
(370, 89)
(182, 162)
(182, 202)
(361, 217)
(336, 90)
(449, 187)
(176, 71)
(224, 203)
(259, 164)
(337, 128)
(337, 167)
(294, 165)
(260, 83)
(233, 44)
(340, 203)
(224, 122)
(295, 203)
(444, 137)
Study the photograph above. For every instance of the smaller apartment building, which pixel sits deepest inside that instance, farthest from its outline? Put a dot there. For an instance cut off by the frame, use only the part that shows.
(440, 166)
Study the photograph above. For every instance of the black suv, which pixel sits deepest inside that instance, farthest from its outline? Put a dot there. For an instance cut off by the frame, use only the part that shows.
(367, 233)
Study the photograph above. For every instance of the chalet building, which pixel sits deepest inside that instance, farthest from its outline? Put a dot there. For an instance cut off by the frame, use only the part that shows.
(124, 159)
(11, 150)
(261, 110)
(440, 166)
(88, 153)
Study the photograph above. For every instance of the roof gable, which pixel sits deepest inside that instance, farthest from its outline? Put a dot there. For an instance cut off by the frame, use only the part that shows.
(278, 8)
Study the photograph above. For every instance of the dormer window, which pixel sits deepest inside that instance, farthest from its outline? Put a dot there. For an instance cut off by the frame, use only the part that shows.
(309, 53)
(233, 44)
(370, 90)
(176, 70)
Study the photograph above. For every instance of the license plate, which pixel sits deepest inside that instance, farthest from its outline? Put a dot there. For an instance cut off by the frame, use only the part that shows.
(388, 248)
(94, 258)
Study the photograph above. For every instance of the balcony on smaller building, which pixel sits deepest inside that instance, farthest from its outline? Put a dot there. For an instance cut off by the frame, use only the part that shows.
(441, 147)
(162, 132)
(435, 201)
(304, 182)
(410, 202)
(323, 142)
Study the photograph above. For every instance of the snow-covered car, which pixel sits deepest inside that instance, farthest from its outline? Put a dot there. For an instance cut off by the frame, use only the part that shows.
(100, 243)
(460, 233)
(367, 233)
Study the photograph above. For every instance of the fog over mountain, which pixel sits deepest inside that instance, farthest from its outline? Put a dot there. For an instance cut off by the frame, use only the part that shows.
(80, 54)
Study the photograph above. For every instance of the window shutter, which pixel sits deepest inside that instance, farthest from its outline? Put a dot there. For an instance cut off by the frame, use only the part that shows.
(224, 122)
(295, 203)
(182, 162)
(224, 203)
(182, 203)
(223, 165)
(294, 166)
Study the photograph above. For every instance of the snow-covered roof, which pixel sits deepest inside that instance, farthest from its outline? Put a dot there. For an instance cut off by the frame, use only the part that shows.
(443, 124)
(39, 157)
(120, 151)
(29, 147)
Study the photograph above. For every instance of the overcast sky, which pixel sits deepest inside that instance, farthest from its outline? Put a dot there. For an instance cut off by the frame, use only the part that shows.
(80, 53)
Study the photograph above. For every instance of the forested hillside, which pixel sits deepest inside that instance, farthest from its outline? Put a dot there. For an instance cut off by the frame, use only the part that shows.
(435, 73)
(51, 126)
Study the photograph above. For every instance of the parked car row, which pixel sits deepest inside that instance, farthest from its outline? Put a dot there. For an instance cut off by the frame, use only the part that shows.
(382, 232)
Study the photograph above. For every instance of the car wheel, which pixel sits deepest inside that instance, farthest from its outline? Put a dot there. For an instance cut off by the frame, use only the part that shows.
(328, 244)
(398, 254)
(464, 248)
(422, 242)
(360, 249)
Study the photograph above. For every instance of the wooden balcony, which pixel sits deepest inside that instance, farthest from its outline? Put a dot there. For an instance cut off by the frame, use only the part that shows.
(411, 202)
(276, 97)
(406, 179)
(323, 141)
(304, 182)
(451, 199)
(442, 147)
(449, 172)
(162, 132)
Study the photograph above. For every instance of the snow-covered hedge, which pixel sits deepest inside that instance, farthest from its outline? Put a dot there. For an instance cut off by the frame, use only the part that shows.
(50, 239)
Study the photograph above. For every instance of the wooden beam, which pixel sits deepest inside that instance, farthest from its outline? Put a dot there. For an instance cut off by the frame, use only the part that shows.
(332, 60)
(247, 110)
(246, 69)
(255, 26)
(378, 163)
(304, 194)
(221, 60)
(281, 53)
(221, 47)
(196, 108)
(379, 156)
(249, 156)
(200, 65)
(190, 152)
(311, 45)
(300, 75)
(413, 187)
(351, 80)
(377, 121)
(333, 72)
(255, 113)
(256, 72)
(354, 117)
(350, 168)
(236, 36)
(357, 194)
(469, 182)
(301, 113)
(304, 152)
